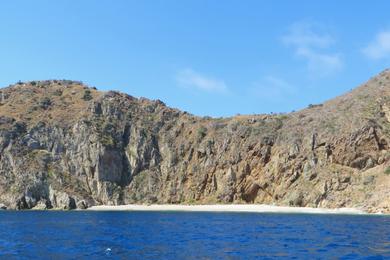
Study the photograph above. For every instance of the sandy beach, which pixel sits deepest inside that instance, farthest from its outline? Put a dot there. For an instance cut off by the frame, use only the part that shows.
(259, 208)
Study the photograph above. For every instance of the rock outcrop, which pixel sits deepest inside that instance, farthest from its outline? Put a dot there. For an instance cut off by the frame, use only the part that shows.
(64, 145)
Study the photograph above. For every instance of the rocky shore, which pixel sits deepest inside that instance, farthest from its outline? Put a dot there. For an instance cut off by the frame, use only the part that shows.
(64, 145)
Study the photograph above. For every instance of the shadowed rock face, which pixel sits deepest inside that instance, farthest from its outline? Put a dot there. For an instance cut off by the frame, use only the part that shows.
(64, 145)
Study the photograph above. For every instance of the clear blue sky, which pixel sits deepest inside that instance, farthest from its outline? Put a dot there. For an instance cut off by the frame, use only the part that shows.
(212, 57)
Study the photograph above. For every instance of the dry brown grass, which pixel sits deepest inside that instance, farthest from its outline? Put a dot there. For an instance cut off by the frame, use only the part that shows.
(67, 105)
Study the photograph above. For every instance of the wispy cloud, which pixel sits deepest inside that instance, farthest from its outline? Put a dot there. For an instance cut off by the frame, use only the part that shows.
(321, 63)
(192, 79)
(271, 87)
(379, 48)
(311, 43)
(303, 35)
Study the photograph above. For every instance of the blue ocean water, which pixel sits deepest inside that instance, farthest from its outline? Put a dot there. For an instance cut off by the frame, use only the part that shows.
(184, 235)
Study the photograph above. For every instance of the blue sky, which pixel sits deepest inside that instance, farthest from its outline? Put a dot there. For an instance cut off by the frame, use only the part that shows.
(216, 58)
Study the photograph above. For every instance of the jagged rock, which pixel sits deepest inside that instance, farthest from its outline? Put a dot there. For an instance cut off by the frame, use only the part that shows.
(369, 163)
(82, 204)
(31, 143)
(345, 179)
(293, 151)
(42, 205)
(2, 206)
(61, 200)
(251, 192)
(30, 201)
(21, 203)
(368, 180)
(309, 170)
(297, 200)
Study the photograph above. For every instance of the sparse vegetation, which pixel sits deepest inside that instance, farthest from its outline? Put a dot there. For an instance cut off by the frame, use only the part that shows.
(87, 95)
(58, 92)
(314, 105)
(45, 103)
(282, 116)
(387, 171)
(201, 133)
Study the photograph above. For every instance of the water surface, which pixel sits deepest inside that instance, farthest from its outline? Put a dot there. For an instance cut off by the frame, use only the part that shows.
(190, 235)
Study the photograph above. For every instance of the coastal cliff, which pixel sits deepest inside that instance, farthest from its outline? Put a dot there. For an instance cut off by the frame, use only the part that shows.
(65, 145)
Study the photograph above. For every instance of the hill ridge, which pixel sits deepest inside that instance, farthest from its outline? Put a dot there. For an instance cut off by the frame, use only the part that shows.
(66, 145)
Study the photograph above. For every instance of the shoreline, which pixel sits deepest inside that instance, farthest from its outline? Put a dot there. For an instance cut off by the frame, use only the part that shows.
(250, 208)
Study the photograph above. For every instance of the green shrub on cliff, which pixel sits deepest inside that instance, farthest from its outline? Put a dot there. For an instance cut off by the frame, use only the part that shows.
(202, 131)
(87, 95)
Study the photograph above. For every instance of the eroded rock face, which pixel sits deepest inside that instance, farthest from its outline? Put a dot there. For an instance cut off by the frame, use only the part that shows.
(66, 146)
(61, 200)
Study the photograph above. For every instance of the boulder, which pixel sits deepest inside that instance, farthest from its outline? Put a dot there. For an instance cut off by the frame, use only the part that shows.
(296, 200)
(31, 202)
(42, 205)
(368, 180)
(61, 200)
(82, 204)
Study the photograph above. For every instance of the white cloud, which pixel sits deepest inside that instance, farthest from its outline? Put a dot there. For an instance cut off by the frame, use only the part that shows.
(303, 35)
(271, 87)
(321, 63)
(379, 48)
(193, 79)
(311, 43)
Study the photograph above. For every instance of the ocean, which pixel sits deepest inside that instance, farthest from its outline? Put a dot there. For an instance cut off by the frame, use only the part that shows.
(189, 235)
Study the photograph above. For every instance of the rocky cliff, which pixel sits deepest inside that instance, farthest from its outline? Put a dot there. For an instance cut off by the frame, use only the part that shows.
(65, 145)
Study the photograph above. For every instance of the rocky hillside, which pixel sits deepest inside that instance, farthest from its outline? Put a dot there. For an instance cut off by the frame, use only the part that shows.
(65, 145)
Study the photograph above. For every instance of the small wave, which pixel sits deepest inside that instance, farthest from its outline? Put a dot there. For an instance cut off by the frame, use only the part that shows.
(108, 251)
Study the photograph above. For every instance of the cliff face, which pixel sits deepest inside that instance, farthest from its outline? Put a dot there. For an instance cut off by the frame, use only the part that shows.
(64, 145)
